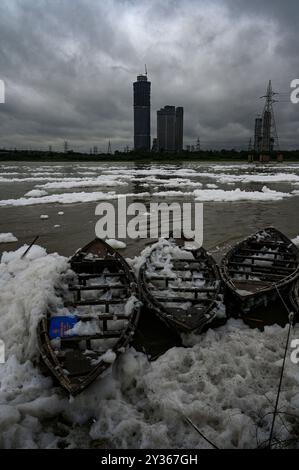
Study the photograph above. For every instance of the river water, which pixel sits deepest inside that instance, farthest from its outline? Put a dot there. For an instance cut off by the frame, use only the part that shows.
(238, 199)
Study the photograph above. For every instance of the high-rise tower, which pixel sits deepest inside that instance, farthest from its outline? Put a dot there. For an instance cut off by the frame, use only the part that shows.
(170, 129)
(166, 134)
(142, 113)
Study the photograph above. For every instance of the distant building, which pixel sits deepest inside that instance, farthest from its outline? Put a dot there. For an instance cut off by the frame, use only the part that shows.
(258, 134)
(170, 129)
(142, 114)
(264, 158)
(166, 137)
(155, 145)
(179, 128)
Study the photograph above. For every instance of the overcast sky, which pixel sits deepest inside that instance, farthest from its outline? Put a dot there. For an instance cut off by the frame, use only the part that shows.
(69, 65)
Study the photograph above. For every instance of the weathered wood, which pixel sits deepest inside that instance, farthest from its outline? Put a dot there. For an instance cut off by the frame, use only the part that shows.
(196, 290)
(76, 288)
(156, 277)
(279, 270)
(90, 302)
(264, 258)
(201, 267)
(105, 335)
(257, 274)
(183, 300)
(95, 276)
(273, 268)
(103, 316)
(72, 365)
(183, 267)
(275, 253)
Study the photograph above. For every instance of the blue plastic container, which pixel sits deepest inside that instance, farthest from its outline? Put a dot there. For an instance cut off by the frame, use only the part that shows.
(60, 325)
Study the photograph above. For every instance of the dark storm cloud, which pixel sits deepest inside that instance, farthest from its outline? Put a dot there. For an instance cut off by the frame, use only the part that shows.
(69, 65)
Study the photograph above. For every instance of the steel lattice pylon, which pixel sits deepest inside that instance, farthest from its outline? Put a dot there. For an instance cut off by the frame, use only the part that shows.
(270, 139)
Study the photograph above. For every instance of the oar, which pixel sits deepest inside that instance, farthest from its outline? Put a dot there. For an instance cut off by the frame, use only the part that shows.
(29, 247)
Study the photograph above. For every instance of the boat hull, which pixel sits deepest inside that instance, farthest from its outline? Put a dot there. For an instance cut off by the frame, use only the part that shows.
(76, 360)
(259, 270)
(203, 299)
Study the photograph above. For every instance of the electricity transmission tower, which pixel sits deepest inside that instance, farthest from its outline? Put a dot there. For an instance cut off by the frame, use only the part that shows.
(109, 150)
(269, 132)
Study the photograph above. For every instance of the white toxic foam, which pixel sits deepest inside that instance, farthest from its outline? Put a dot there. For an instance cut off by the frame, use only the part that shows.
(220, 195)
(7, 238)
(217, 380)
(117, 244)
(36, 193)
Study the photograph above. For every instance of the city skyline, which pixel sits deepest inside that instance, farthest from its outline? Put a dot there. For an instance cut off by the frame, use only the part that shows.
(71, 77)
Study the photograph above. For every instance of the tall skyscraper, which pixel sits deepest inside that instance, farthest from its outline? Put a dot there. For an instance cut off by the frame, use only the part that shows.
(170, 129)
(142, 114)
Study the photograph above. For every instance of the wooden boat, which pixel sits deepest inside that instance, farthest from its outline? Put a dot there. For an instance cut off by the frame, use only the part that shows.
(182, 287)
(259, 268)
(102, 314)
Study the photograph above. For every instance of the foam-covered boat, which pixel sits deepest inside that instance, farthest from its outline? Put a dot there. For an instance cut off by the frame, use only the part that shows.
(260, 268)
(96, 320)
(182, 286)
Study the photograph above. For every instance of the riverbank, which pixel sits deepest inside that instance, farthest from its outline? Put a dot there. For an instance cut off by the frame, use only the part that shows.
(223, 156)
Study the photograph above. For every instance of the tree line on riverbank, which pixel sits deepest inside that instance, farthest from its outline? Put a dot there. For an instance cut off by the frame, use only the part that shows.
(203, 155)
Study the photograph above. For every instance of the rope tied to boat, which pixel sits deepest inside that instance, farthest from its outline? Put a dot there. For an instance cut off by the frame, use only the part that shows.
(200, 433)
(178, 409)
(291, 321)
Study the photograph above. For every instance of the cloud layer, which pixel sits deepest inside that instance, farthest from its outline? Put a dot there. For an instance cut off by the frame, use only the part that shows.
(68, 66)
